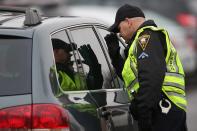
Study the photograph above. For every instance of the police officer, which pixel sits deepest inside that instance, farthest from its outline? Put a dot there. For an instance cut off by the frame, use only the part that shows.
(152, 71)
(69, 80)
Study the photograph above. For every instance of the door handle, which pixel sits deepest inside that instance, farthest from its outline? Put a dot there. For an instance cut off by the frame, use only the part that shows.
(103, 112)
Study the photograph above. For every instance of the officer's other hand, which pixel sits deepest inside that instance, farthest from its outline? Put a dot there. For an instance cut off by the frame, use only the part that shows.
(144, 122)
(88, 54)
(111, 40)
(112, 44)
(94, 78)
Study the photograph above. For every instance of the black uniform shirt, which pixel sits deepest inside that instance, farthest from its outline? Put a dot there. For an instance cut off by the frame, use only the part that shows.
(151, 51)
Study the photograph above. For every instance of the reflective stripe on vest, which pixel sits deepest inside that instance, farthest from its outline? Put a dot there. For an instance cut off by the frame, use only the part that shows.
(174, 83)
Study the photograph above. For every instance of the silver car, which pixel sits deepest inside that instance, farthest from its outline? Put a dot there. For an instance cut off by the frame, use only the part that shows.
(29, 80)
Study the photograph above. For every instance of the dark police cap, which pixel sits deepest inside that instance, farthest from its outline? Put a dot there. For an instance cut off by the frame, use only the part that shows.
(125, 11)
(59, 44)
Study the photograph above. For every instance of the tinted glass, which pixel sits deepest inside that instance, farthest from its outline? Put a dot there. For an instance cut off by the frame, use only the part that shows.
(103, 33)
(63, 36)
(70, 78)
(15, 66)
(85, 37)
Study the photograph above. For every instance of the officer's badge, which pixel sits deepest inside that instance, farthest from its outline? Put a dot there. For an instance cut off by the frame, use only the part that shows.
(143, 41)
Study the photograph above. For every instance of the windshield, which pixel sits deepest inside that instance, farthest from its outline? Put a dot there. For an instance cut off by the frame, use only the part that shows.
(15, 66)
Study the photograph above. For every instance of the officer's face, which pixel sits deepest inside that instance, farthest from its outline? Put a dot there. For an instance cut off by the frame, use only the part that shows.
(62, 56)
(126, 30)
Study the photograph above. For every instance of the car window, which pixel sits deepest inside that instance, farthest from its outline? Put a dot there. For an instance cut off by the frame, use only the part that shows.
(103, 32)
(15, 65)
(63, 36)
(69, 73)
(85, 38)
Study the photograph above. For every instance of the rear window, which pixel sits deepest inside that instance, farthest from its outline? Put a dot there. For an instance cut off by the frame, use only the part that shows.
(15, 65)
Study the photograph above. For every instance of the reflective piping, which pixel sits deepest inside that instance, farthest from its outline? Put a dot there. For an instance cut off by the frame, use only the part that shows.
(176, 94)
(174, 74)
(174, 78)
(181, 105)
(168, 45)
(135, 49)
(184, 107)
(169, 64)
(131, 85)
(174, 61)
(174, 85)
(133, 68)
(173, 52)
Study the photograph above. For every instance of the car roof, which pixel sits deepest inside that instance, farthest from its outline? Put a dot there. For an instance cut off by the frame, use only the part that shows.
(17, 22)
(12, 23)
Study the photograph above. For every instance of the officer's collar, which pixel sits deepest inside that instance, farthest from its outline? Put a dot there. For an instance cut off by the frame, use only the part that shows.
(146, 23)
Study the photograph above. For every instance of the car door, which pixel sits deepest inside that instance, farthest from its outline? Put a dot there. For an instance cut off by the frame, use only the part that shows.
(102, 32)
(79, 103)
(110, 99)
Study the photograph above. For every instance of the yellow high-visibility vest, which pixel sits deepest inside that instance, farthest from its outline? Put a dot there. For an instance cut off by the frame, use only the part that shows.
(174, 83)
(67, 84)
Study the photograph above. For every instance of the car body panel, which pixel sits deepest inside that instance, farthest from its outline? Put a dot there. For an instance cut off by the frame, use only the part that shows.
(16, 32)
(9, 101)
(88, 110)
(74, 101)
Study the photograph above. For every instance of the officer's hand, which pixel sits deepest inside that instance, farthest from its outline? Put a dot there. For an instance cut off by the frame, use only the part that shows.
(112, 44)
(94, 78)
(111, 40)
(89, 56)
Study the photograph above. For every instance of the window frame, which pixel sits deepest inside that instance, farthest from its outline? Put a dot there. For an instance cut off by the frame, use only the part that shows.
(107, 57)
(99, 37)
(100, 41)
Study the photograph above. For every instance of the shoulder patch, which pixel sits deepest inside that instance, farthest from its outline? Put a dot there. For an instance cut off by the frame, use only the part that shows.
(143, 55)
(143, 41)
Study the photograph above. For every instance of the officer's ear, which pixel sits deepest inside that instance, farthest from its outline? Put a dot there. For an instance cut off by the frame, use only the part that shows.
(129, 21)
